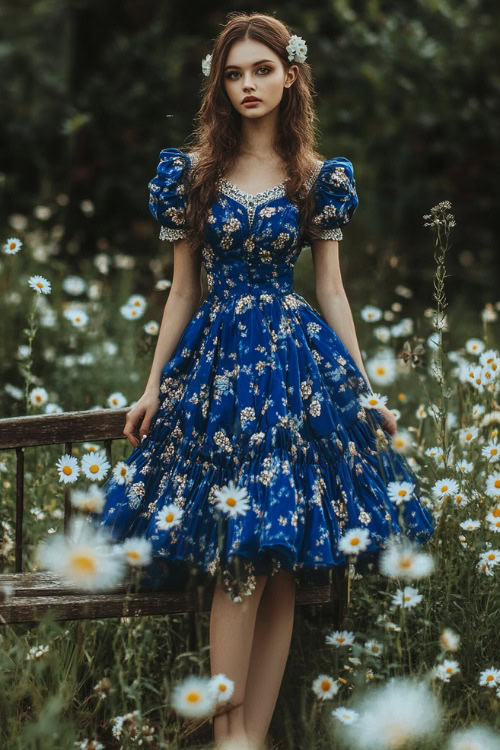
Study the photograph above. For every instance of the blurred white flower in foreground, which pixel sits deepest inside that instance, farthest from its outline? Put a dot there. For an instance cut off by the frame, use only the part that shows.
(392, 716)
(84, 556)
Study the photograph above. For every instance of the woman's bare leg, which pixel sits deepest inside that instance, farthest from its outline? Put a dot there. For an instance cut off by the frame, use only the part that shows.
(271, 645)
(231, 635)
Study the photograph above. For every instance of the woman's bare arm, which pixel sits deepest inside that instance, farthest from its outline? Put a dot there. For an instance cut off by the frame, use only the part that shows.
(183, 301)
(332, 298)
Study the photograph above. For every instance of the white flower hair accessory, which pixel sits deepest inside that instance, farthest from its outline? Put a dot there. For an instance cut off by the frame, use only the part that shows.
(296, 48)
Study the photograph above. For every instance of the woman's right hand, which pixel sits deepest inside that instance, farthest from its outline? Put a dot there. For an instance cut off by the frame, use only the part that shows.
(140, 415)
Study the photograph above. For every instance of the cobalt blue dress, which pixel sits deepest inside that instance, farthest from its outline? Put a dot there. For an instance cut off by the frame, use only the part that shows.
(260, 390)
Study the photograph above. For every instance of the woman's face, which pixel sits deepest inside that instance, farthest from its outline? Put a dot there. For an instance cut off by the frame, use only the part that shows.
(253, 69)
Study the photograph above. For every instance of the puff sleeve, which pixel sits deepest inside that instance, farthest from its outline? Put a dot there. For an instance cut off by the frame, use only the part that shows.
(336, 198)
(167, 193)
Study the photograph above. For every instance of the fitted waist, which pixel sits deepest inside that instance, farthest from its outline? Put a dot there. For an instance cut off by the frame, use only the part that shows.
(230, 286)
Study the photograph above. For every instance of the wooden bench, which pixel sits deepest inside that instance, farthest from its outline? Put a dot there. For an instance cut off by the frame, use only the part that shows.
(36, 593)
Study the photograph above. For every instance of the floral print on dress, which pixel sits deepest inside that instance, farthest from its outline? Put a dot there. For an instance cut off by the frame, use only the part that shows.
(260, 391)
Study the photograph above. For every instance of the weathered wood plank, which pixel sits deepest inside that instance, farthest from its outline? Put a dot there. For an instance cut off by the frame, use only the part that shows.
(71, 426)
(65, 606)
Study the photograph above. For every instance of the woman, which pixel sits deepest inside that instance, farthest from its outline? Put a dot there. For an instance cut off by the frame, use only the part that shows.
(259, 461)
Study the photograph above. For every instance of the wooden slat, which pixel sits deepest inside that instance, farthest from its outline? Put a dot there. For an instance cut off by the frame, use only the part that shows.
(71, 426)
(29, 605)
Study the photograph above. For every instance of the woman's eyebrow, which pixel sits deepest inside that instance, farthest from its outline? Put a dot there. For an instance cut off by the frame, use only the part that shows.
(255, 63)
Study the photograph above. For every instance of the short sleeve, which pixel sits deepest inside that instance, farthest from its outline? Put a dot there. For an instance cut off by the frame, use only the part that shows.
(336, 198)
(167, 193)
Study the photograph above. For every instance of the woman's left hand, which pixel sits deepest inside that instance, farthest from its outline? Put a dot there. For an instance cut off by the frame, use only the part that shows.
(389, 422)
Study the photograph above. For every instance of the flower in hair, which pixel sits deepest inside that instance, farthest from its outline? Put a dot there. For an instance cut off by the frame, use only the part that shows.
(297, 49)
(205, 64)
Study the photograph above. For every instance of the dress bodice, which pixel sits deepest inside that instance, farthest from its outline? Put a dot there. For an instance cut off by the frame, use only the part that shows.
(252, 240)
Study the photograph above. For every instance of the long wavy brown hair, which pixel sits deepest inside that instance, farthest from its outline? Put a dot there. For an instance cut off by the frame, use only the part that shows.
(217, 133)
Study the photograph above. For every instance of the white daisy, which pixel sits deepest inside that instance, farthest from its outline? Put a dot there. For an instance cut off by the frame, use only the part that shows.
(354, 541)
(39, 284)
(232, 500)
(137, 551)
(131, 313)
(374, 647)
(12, 246)
(170, 515)
(124, 473)
(382, 333)
(407, 597)
(491, 451)
(402, 440)
(151, 327)
(493, 484)
(421, 412)
(370, 313)
(446, 669)
(38, 396)
(449, 640)
(68, 468)
(467, 435)
(372, 401)
(83, 556)
(193, 697)
(446, 486)
(400, 491)
(163, 284)
(325, 687)
(493, 522)
(490, 677)
(470, 524)
(95, 465)
(116, 400)
(402, 559)
(460, 499)
(477, 737)
(398, 714)
(90, 501)
(474, 346)
(477, 411)
(345, 715)
(340, 638)
(490, 557)
(464, 467)
(222, 687)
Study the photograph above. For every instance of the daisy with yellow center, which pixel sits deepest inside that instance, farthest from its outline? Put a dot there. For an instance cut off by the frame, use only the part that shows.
(95, 465)
(354, 541)
(340, 638)
(372, 401)
(470, 524)
(446, 486)
(493, 485)
(232, 500)
(222, 687)
(84, 556)
(493, 521)
(400, 492)
(402, 559)
(38, 396)
(325, 687)
(117, 400)
(137, 551)
(89, 501)
(468, 435)
(345, 715)
(68, 469)
(490, 677)
(170, 515)
(447, 669)
(407, 597)
(193, 697)
(12, 246)
(374, 647)
(124, 473)
(491, 451)
(39, 284)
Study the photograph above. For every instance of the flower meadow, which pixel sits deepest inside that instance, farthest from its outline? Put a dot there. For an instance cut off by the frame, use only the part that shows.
(415, 663)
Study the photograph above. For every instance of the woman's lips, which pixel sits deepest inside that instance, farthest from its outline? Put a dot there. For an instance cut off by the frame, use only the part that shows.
(251, 102)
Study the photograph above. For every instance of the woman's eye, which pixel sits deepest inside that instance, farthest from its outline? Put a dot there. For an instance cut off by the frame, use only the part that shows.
(231, 72)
